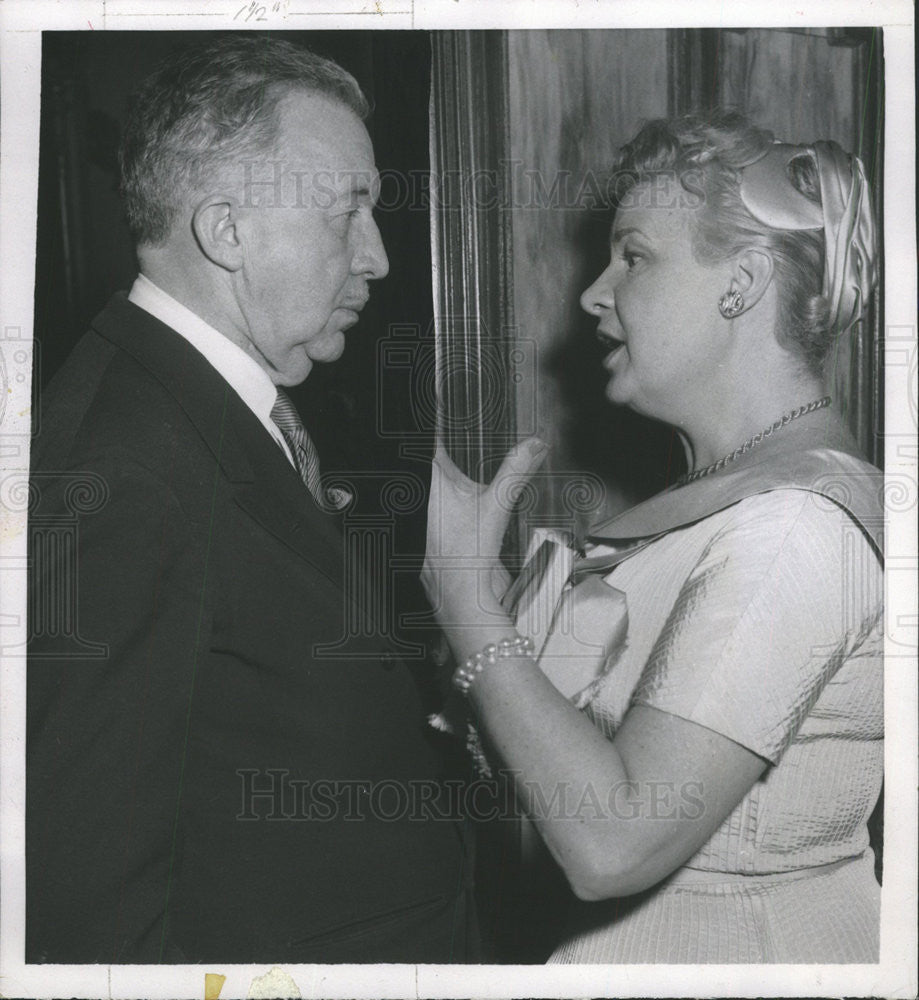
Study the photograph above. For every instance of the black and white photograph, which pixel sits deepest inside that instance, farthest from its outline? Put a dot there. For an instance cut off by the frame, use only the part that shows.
(458, 471)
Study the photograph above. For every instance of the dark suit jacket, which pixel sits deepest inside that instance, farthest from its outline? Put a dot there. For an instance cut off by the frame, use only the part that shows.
(175, 669)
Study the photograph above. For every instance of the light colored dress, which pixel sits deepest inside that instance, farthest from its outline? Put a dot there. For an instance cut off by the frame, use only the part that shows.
(762, 622)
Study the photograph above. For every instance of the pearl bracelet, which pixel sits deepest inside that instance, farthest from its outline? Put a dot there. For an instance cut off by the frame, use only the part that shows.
(464, 675)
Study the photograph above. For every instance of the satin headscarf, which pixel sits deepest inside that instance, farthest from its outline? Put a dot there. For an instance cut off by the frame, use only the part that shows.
(845, 216)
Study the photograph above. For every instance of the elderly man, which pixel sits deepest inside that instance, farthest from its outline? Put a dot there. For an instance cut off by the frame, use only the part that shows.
(210, 788)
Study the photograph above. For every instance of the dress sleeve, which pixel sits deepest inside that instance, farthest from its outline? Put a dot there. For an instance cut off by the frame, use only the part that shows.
(778, 600)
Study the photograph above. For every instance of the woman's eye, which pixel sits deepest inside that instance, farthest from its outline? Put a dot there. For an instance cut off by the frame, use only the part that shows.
(631, 259)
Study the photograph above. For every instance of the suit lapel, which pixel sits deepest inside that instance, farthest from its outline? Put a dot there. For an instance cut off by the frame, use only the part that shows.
(265, 485)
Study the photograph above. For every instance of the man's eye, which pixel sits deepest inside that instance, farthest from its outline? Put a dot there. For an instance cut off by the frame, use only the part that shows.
(343, 219)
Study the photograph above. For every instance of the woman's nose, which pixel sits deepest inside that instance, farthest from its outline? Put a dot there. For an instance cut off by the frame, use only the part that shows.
(599, 296)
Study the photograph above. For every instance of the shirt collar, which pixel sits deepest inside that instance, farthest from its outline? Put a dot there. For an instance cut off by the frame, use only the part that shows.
(243, 373)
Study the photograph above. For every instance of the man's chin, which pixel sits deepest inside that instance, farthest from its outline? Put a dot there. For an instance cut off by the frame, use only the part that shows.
(326, 347)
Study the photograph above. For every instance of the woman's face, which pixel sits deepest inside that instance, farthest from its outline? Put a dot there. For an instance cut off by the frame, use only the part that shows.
(657, 306)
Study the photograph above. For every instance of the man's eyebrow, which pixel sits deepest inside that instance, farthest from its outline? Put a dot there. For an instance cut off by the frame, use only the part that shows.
(359, 189)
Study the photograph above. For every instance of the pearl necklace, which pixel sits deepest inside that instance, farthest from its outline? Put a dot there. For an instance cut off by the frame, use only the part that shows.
(786, 418)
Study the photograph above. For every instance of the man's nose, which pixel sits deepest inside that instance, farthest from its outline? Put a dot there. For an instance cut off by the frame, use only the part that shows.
(599, 296)
(371, 260)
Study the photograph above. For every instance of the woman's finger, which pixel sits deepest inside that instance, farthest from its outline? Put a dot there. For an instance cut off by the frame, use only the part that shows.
(518, 466)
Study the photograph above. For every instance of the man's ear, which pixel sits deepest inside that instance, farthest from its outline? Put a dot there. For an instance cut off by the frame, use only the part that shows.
(215, 224)
(753, 271)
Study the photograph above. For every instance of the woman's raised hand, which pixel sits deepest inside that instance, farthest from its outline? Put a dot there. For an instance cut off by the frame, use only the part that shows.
(462, 572)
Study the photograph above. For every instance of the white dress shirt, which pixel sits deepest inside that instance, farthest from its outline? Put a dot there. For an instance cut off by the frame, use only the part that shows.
(243, 373)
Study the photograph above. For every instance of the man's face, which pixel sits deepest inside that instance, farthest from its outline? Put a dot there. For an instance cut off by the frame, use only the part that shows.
(311, 245)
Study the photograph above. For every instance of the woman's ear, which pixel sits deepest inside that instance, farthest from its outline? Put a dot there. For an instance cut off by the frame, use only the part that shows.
(215, 225)
(753, 271)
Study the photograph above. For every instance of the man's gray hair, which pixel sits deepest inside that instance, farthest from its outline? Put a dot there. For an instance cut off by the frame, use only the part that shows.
(202, 111)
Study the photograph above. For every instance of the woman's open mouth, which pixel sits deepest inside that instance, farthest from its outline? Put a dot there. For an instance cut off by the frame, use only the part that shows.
(608, 343)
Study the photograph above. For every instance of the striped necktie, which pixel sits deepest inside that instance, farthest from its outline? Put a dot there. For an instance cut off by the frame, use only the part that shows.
(306, 458)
